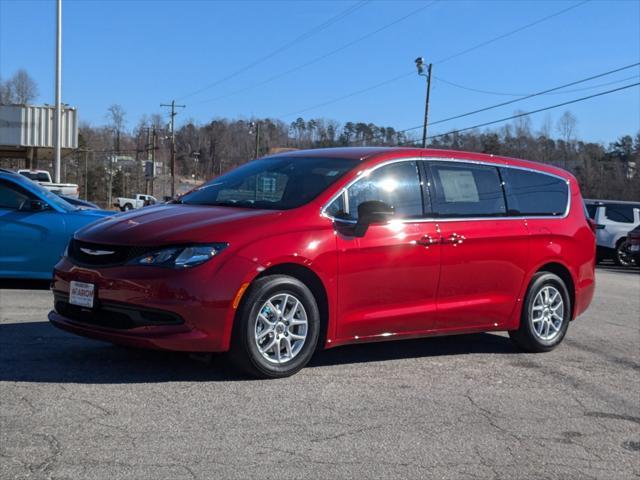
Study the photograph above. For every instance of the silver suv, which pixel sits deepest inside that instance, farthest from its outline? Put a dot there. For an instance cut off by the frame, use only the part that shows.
(614, 220)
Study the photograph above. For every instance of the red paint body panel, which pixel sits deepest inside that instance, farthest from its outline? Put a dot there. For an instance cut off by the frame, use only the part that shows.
(387, 283)
(481, 277)
(383, 285)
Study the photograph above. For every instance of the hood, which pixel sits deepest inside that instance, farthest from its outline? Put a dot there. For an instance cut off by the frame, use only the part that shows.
(170, 224)
(93, 212)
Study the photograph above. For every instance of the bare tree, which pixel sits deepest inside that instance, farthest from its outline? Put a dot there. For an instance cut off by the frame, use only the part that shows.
(22, 87)
(115, 115)
(6, 95)
(567, 126)
(546, 126)
(567, 129)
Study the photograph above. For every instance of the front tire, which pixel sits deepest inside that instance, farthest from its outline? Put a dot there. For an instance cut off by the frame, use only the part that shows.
(276, 328)
(545, 314)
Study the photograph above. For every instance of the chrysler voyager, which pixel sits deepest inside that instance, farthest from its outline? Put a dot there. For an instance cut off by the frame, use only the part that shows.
(320, 248)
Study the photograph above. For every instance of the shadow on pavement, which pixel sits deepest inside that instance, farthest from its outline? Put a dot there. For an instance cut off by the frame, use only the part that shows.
(38, 352)
(12, 284)
(611, 266)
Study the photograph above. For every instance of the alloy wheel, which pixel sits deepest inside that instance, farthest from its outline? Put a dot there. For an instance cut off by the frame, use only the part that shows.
(281, 328)
(547, 313)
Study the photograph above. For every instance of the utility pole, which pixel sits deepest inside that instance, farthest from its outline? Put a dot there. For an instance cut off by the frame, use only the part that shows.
(57, 139)
(86, 174)
(257, 151)
(173, 144)
(153, 156)
(420, 66)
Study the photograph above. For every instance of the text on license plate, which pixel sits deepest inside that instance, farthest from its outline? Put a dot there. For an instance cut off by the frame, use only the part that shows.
(81, 294)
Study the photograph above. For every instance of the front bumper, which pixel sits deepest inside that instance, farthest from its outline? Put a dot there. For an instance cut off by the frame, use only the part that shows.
(149, 307)
(162, 338)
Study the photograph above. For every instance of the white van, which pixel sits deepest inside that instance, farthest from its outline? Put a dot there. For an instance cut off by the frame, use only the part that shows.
(614, 219)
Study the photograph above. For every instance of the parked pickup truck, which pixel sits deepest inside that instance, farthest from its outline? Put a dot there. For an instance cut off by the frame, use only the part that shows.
(139, 201)
(44, 178)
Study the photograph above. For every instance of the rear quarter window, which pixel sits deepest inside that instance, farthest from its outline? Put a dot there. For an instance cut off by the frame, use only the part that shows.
(534, 194)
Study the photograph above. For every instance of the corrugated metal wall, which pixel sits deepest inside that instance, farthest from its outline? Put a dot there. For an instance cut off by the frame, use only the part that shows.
(32, 126)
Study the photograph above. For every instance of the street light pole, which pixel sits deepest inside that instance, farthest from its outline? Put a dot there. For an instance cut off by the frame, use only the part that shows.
(57, 138)
(420, 66)
(254, 128)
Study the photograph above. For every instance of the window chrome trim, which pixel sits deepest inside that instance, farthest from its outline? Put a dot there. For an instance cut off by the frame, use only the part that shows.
(367, 171)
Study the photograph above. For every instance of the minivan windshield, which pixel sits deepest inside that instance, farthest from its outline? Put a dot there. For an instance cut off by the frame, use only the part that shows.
(276, 183)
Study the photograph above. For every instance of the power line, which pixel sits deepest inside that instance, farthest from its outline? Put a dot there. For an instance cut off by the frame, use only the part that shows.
(445, 59)
(502, 104)
(282, 48)
(524, 114)
(335, 100)
(321, 57)
(504, 94)
(512, 32)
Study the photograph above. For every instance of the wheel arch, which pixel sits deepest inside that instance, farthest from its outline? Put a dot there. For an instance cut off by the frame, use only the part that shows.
(565, 274)
(315, 284)
(620, 240)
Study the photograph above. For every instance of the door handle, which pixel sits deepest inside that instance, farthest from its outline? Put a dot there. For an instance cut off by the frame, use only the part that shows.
(454, 239)
(427, 241)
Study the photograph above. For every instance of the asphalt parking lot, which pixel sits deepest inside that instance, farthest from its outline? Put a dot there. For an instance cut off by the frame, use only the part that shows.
(458, 407)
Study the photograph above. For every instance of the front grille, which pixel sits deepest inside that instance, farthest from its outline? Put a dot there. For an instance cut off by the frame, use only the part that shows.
(98, 255)
(114, 315)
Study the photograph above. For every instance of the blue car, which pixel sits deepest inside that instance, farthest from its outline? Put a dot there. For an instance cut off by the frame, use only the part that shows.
(35, 227)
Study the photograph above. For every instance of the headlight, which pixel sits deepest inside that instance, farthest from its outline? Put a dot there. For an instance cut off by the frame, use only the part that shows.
(180, 257)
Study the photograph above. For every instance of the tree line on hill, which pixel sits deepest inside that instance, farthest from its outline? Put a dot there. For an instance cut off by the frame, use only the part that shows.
(603, 171)
(204, 151)
(109, 162)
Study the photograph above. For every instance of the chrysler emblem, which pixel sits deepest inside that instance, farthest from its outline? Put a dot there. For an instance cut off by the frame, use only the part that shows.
(89, 251)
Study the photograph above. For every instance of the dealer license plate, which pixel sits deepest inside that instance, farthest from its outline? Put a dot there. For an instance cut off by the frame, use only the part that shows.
(81, 294)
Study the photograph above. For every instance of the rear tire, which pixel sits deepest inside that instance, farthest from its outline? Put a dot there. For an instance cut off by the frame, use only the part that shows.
(545, 314)
(127, 207)
(276, 328)
(620, 256)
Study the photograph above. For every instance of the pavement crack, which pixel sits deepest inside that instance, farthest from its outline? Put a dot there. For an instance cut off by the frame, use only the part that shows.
(345, 434)
(613, 416)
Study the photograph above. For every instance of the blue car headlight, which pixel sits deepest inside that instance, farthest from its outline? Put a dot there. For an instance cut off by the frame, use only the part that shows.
(180, 257)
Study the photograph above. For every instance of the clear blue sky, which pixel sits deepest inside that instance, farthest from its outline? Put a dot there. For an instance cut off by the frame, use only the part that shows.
(143, 53)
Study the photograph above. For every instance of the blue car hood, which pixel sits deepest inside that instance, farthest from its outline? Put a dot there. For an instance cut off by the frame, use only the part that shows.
(93, 213)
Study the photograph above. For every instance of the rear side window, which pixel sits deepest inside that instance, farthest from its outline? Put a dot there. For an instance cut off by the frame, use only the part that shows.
(591, 210)
(535, 194)
(619, 213)
(466, 190)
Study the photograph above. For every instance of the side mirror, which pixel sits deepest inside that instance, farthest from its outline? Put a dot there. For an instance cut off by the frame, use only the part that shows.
(33, 206)
(371, 213)
(38, 205)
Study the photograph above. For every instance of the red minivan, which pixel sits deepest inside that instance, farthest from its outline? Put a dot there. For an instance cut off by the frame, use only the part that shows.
(320, 248)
